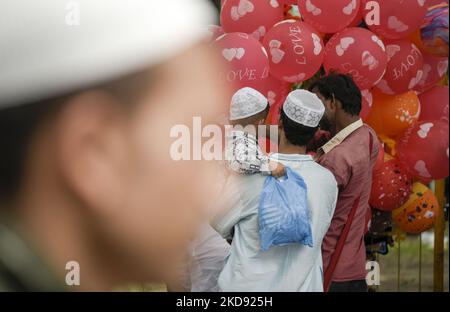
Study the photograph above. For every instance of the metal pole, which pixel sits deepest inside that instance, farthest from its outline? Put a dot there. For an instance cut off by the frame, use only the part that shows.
(439, 232)
(420, 262)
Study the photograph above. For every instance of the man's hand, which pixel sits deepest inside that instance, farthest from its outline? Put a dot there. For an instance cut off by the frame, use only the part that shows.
(277, 169)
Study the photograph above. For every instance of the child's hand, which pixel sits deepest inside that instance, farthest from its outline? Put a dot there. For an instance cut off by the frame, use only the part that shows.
(277, 170)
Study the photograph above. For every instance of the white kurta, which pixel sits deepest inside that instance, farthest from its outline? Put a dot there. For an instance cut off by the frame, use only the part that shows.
(294, 267)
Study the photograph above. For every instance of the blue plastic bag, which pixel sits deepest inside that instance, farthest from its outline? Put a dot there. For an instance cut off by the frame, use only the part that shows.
(283, 215)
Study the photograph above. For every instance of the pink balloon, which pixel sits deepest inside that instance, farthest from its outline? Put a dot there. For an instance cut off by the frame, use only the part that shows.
(367, 102)
(434, 104)
(398, 18)
(359, 53)
(253, 17)
(434, 69)
(329, 16)
(276, 90)
(295, 51)
(404, 69)
(247, 64)
(423, 149)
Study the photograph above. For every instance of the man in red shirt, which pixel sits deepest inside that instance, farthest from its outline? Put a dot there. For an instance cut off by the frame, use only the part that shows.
(350, 155)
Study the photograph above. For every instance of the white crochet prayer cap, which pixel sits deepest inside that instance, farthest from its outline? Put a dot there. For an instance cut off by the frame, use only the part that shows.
(46, 50)
(247, 102)
(304, 108)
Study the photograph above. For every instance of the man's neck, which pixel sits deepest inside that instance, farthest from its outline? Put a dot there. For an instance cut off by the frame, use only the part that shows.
(344, 121)
(287, 148)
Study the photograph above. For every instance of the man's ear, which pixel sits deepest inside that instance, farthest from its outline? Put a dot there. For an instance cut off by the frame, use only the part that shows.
(89, 148)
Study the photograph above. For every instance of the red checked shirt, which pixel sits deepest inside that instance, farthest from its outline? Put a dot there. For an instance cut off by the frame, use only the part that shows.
(346, 155)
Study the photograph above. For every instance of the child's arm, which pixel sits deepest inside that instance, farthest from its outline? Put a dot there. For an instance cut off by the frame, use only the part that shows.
(278, 170)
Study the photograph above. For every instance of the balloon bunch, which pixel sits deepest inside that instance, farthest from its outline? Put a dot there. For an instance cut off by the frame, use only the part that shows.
(395, 50)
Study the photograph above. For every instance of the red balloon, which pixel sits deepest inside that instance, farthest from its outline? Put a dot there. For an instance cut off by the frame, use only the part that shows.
(358, 52)
(434, 104)
(329, 16)
(391, 186)
(434, 69)
(246, 60)
(423, 149)
(397, 18)
(276, 90)
(367, 102)
(251, 16)
(404, 69)
(295, 51)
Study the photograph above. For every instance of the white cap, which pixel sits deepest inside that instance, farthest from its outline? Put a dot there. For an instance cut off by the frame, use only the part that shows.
(304, 107)
(247, 102)
(45, 52)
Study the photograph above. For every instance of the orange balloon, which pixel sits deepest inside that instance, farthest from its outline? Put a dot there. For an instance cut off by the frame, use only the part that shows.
(393, 114)
(419, 213)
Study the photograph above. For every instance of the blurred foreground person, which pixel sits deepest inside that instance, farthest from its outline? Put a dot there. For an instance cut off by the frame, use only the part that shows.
(86, 110)
(350, 155)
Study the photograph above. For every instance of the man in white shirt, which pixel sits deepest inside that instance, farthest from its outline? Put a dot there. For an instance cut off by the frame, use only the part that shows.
(293, 267)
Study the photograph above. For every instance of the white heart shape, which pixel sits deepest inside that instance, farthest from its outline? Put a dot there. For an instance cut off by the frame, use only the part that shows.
(348, 10)
(317, 44)
(384, 87)
(392, 49)
(240, 53)
(379, 42)
(421, 2)
(442, 67)
(368, 97)
(229, 54)
(369, 60)
(346, 42)
(421, 168)
(274, 3)
(311, 8)
(395, 24)
(424, 130)
(274, 44)
(277, 55)
(415, 80)
(234, 14)
(245, 6)
(296, 78)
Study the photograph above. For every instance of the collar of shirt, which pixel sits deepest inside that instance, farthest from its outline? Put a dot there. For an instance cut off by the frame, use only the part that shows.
(341, 136)
(290, 157)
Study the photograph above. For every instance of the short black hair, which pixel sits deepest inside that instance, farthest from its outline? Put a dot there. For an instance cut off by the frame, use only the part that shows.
(296, 133)
(342, 88)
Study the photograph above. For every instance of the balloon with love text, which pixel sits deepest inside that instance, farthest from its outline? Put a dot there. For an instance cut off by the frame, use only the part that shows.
(359, 53)
(254, 17)
(423, 149)
(329, 16)
(246, 61)
(295, 51)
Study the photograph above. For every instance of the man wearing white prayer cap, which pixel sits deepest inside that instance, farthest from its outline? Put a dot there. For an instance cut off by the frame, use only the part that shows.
(89, 93)
(293, 267)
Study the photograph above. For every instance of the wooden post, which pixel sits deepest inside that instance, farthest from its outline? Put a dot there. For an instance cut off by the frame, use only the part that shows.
(439, 232)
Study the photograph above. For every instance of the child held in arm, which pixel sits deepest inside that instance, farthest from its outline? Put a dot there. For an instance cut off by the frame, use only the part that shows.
(249, 109)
